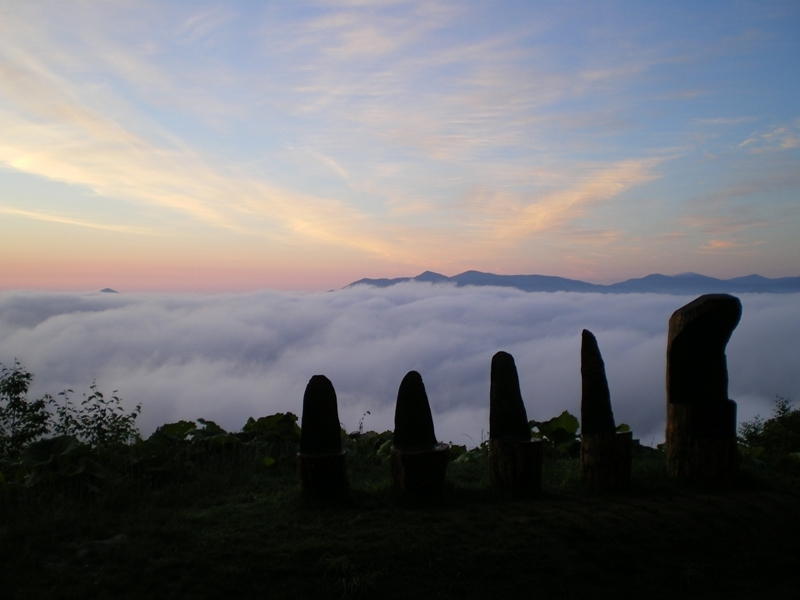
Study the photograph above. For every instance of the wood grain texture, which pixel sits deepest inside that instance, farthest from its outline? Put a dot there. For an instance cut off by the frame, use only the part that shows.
(516, 466)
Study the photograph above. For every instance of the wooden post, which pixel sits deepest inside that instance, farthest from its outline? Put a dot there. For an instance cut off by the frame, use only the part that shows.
(606, 460)
(605, 454)
(322, 476)
(696, 455)
(515, 461)
(516, 466)
(321, 467)
(701, 419)
(421, 472)
(419, 462)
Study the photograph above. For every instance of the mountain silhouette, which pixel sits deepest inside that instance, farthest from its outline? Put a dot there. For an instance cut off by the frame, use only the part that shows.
(684, 283)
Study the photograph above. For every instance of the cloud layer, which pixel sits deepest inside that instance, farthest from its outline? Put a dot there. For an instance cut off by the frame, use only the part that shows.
(228, 357)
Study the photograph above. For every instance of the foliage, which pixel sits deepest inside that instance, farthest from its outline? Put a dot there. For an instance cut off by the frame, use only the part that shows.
(460, 454)
(87, 433)
(98, 421)
(21, 420)
(559, 435)
(776, 438)
(369, 445)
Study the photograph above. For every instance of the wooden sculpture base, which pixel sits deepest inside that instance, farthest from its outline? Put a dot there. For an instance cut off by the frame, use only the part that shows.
(420, 472)
(322, 476)
(516, 467)
(706, 461)
(606, 461)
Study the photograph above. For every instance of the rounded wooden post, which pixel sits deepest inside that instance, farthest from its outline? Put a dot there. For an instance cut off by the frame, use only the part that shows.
(321, 466)
(419, 462)
(605, 454)
(515, 461)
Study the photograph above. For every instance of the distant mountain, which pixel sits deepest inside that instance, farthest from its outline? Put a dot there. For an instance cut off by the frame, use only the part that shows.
(685, 283)
(109, 291)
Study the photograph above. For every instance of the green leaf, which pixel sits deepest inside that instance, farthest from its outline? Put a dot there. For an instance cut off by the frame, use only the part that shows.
(177, 430)
(280, 426)
(566, 421)
(221, 439)
(44, 451)
(209, 429)
(268, 461)
(623, 428)
(386, 449)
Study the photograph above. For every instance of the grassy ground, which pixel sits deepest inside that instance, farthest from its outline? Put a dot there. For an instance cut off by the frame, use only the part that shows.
(234, 529)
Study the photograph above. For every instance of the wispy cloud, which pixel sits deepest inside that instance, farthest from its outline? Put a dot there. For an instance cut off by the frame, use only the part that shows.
(727, 247)
(486, 104)
(53, 218)
(514, 217)
(401, 132)
(734, 222)
(725, 120)
(780, 137)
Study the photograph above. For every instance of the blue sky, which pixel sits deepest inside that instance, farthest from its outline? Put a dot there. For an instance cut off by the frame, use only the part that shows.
(238, 146)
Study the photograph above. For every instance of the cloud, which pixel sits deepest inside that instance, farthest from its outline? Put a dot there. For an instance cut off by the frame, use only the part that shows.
(81, 132)
(780, 137)
(725, 120)
(29, 214)
(228, 357)
(512, 217)
(356, 130)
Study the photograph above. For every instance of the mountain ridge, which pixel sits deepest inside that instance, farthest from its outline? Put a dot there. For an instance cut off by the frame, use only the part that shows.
(655, 283)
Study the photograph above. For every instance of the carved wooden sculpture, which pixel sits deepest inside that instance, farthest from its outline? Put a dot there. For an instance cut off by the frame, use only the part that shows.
(419, 462)
(605, 454)
(515, 460)
(701, 419)
(321, 465)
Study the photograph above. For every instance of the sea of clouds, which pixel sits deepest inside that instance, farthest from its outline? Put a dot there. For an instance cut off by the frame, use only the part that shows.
(229, 357)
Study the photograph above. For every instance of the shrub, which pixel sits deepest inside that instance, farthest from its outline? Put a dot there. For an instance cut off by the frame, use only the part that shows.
(98, 421)
(778, 436)
(21, 420)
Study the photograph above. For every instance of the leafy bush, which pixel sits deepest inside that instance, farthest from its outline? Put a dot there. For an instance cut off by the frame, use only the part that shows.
(60, 457)
(776, 437)
(559, 435)
(21, 420)
(98, 421)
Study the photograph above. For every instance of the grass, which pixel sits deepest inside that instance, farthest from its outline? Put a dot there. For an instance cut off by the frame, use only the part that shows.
(231, 528)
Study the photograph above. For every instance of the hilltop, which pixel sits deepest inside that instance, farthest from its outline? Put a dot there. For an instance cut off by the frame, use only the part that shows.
(683, 284)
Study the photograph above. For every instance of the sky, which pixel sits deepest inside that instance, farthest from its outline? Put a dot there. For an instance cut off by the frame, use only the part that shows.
(227, 357)
(299, 146)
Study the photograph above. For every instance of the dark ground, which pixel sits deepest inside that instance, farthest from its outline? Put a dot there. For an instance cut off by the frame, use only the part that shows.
(237, 531)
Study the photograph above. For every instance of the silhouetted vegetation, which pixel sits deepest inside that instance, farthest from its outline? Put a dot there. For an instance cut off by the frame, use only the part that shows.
(775, 440)
(88, 508)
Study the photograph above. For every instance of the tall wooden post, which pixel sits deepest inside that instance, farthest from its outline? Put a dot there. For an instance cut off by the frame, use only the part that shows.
(701, 419)
(321, 467)
(515, 460)
(605, 454)
(419, 462)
